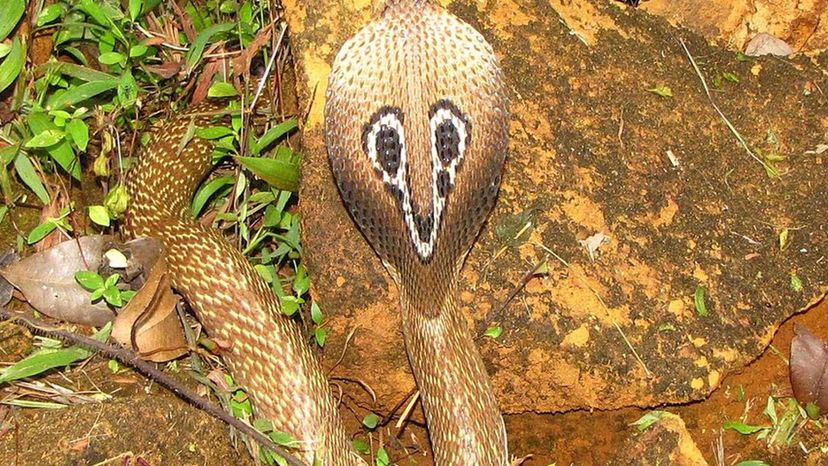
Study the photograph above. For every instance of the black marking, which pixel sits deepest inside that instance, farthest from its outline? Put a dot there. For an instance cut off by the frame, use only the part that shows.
(443, 183)
(448, 142)
(424, 225)
(389, 149)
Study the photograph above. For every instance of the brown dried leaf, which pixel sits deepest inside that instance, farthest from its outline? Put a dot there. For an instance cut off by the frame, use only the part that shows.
(166, 70)
(149, 324)
(809, 368)
(47, 280)
(241, 64)
(205, 80)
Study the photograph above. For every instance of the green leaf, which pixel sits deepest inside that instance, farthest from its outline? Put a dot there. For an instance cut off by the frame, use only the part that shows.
(21, 403)
(647, 420)
(80, 93)
(371, 421)
(138, 50)
(221, 89)
(49, 14)
(813, 411)
(62, 153)
(127, 90)
(213, 132)
(273, 134)
(361, 446)
(47, 138)
(320, 334)
(742, 428)
(79, 132)
(135, 8)
(208, 190)
(301, 282)
(12, 12)
(89, 280)
(99, 214)
(661, 90)
(382, 457)
(730, 77)
(281, 172)
(113, 296)
(796, 282)
(290, 304)
(698, 300)
(39, 232)
(493, 332)
(26, 172)
(112, 58)
(12, 64)
(197, 48)
(44, 360)
(283, 439)
(316, 314)
(76, 71)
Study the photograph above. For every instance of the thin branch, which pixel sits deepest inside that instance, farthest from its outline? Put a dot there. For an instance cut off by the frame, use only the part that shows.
(132, 359)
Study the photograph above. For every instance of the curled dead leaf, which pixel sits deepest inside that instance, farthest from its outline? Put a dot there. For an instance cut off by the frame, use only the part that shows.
(809, 368)
(149, 323)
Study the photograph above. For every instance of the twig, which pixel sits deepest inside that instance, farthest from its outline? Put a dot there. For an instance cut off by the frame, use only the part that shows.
(407, 411)
(263, 80)
(721, 114)
(527, 277)
(132, 359)
(390, 415)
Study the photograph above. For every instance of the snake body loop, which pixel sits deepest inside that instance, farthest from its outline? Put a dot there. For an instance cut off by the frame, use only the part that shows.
(416, 127)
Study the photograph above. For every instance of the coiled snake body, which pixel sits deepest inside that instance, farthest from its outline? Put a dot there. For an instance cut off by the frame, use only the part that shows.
(416, 127)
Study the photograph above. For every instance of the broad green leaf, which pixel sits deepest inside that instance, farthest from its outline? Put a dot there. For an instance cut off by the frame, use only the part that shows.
(111, 58)
(197, 48)
(382, 457)
(39, 232)
(698, 299)
(47, 138)
(290, 304)
(281, 172)
(135, 8)
(49, 14)
(89, 280)
(361, 446)
(127, 90)
(4, 49)
(742, 428)
(320, 334)
(12, 64)
(79, 132)
(221, 89)
(213, 132)
(371, 421)
(62, 152)
(273, 134)
(647, 420)
(138, 50)
(99, 214)
(316, 313)
(26, 172)
(208, 190)
(113, 296)
(493, 332)
(80, 93)
(12, 12)
(284, 439)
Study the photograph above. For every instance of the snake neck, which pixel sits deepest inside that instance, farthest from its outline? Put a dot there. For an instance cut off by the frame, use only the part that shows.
(460, 406)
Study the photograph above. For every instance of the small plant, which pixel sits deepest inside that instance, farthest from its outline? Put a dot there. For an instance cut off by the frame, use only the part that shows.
(104, 288)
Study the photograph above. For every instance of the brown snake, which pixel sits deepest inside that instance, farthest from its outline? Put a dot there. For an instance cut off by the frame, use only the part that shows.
(416, 127)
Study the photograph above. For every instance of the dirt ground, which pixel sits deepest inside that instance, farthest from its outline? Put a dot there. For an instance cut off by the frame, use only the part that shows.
(589, 154)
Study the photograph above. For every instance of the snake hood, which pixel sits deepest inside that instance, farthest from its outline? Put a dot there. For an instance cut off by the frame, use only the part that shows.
(416, 123)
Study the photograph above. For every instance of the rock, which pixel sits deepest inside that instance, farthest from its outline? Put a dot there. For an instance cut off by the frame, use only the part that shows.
(766, 44)
(587, 155)
(667, 441)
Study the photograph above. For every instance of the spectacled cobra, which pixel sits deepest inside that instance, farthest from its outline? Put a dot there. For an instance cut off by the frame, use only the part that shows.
(416, 127)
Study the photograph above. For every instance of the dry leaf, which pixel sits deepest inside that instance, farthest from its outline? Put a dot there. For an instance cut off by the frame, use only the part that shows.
(6, 288)
(166, 70)
(47, 280)
(809, 368)
(149, 323)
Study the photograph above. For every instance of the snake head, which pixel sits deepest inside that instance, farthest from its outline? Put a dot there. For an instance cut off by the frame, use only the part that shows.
(416, 125)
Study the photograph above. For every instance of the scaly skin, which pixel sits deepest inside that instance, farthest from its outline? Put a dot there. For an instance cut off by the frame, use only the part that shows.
(417, 129)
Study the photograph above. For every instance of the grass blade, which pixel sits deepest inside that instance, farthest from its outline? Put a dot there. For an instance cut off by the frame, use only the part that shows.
(12, 64)
(26, 172)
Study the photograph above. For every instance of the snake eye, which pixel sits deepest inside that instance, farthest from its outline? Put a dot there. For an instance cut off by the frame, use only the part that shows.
(383, 140)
